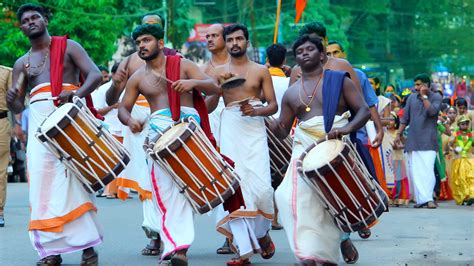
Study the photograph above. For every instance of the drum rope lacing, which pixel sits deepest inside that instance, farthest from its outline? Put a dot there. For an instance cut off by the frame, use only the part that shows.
(71, 163)
(341, 217)
(221, 165)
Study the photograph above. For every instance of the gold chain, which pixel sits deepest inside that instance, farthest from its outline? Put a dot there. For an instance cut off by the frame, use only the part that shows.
(308, 109)
(28, 66)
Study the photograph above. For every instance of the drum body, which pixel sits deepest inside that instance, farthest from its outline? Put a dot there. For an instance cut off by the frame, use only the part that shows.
(90, 152)
(280, 154)
(184, 151)
(338, 176)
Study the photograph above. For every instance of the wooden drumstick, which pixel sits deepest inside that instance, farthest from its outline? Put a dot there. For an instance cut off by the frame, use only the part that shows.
(165, 78)
(19, 83)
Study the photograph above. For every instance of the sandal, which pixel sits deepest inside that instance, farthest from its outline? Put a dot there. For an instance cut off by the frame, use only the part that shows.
(225, 249)
(91, 260)
(267, 246)
(52, 260)
(364, 233)
(431, 205)
(238, 262)
(419, 206)
(151, 250)
(277, 226)
(348, 249)
(178, 260)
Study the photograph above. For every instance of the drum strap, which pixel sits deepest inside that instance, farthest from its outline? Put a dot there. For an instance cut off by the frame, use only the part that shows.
(173, 73)
(57, 52)
(332, 86)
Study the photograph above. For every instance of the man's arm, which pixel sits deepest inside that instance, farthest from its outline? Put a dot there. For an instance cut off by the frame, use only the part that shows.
(127, 103)
(16, 93)
(355, 102)
(196, 79)
(281, 126)
(89, 70)
(344, 65)
(269, 94)
(432, 107)
(119, 79)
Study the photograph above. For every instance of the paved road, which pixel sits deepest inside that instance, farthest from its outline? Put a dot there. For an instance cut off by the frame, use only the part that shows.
(404, 236)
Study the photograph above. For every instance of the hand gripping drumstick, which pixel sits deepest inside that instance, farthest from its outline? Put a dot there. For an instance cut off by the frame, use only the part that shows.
(165, 78)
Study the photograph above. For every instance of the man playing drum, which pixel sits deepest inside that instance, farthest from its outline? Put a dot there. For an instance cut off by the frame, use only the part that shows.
(63, 215)
(136, 175)
(167, 83)
(312, 235)
(243, 120)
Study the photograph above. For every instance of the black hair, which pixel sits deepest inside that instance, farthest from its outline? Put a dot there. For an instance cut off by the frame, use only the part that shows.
(276, 54)
(32, 7)
(376, 80)
(235, 27)
(314, 27)
(103, 68)
(461, 102)
(163, 22)
(338, 43)
(444, 107)
(446, 100)
(306, 38)
(423, 77)
(154, 30)
(397, 120)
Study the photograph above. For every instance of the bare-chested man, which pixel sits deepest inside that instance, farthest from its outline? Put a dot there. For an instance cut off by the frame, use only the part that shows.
(215, 105)
(63, 215)
(219, 57)
(136, 175)
(317, 30)
(176, 213)
(242, 121)
(313, 237)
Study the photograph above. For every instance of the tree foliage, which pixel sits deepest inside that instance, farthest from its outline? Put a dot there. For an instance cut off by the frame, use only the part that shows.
(412, 34)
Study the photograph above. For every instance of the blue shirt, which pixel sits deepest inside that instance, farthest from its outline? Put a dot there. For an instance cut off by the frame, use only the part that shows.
(370, 98)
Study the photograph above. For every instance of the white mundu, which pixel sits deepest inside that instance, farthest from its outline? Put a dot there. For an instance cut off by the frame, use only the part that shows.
(310, 229)
(252, 164)
(63, 214)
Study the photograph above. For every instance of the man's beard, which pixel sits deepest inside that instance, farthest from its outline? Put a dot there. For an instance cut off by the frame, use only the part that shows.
(36, 34)
(240, 53)
(151, 56)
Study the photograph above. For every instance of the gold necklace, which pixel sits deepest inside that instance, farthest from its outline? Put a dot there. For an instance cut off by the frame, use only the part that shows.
(28, 66)
(248, 69)
(157, 75)
(213, 65)
(312, 96)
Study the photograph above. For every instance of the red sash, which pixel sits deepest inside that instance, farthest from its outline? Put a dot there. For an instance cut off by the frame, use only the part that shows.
(57, 52)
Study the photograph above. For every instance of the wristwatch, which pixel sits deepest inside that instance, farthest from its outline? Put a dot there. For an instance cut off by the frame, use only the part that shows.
(425, 97)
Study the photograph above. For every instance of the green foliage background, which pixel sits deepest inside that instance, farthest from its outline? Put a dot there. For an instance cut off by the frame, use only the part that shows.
(411, 34)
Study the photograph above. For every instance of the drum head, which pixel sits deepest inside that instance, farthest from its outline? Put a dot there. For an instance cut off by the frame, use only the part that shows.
(58, 118)
(169, 136)
(322, 154)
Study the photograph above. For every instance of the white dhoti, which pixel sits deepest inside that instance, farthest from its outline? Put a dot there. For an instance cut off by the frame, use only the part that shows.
(174, 210)
(244, 140)
(63, 214)
(136, 175)
(421, 168)
(309, 227)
